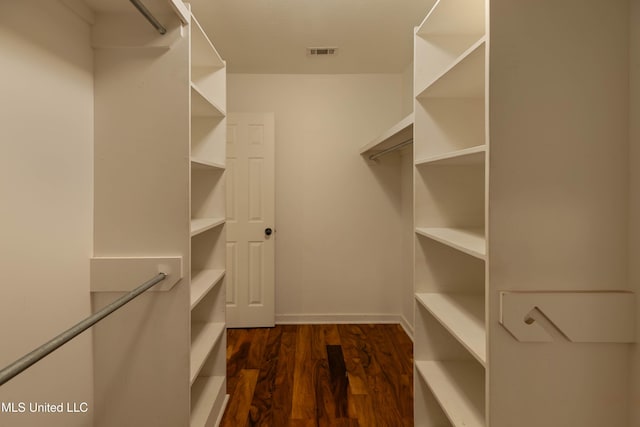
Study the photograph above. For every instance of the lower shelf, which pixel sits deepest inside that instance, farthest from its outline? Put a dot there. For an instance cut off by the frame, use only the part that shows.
(459, 389)
(204, 337)
(208, 398)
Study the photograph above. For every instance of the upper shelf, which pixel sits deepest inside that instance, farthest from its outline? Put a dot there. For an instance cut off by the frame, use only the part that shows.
(398, 133)
(203, 53)
(200, 225)
(464, 78)
(201, 164)
(466, 156)
(454, 17)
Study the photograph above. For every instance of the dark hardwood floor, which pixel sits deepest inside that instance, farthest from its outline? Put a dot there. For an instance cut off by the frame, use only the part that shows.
(319, 375)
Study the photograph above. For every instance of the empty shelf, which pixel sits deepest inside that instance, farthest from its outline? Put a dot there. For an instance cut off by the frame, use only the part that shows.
(202, 282)
(206, 394)
(463, 79)
(201, 164)
(466, 156)
(204, 337)
(459, 389)
(468, 240)
(463, 316)
(202, 106)
(200, 225)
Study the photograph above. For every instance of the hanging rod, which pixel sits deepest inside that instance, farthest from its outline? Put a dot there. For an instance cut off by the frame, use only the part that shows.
(390, 149)
(45, 349)
(152, 19)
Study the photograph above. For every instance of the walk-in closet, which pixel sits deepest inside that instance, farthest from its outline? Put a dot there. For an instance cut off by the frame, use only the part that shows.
(299, 213)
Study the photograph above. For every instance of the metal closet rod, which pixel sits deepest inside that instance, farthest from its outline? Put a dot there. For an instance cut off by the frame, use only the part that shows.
(152, 19)
(390, 149)
(45, 349)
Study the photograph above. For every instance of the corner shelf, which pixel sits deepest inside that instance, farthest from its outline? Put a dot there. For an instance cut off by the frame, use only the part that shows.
(468, 240)
(202, 282)
(463, 316)
(467, 156)
(204, 336)
(398, 133)
(459, 389)
(200, 225)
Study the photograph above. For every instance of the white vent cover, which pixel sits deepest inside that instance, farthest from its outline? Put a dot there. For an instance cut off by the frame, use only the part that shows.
(322, 51)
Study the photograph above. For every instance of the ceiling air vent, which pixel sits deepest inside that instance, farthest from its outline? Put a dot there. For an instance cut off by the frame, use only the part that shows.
(322, 51)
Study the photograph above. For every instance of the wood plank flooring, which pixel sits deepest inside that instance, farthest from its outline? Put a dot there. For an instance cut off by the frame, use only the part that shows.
(319, 376)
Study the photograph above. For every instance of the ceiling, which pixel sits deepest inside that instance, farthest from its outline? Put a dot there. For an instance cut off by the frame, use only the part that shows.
(271, 36)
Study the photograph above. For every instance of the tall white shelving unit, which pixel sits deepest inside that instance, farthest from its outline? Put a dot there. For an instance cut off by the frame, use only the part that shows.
(519, 158)
(208, 241)
(160, 141)
(450, 150)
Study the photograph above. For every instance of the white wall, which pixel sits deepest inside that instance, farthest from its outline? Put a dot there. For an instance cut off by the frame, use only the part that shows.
(338, 217)
(46, 157)
(634, 228)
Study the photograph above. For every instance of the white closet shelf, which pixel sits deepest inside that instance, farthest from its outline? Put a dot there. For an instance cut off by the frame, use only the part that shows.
(202, 282)
(205, 393)
(459, 389)
(201, 164)
(202, 105)
(464, 78)
(463, 316)
(203, 53)
(466, 156)
(468, 240)
(200, 225)
(396, 134)
(204, 336)
(454, 17)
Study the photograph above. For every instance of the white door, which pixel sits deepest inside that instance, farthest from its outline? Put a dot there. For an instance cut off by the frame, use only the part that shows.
(250, 224)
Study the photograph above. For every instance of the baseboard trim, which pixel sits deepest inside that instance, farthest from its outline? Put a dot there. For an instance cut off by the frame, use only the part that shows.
(407, 326)
(305, 319)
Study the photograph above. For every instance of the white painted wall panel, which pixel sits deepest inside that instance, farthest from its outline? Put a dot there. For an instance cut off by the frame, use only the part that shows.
(46, 174)
(338, 218)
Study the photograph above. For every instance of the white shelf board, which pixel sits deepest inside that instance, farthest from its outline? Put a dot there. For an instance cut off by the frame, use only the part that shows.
(468, 240)
(205, 392)
(459, 389)
(466, 156)
(464, 78)
(400, 132)
(201, 164)
(204, 336)
(463, 316)
(202, 282)
(203, 106)
(454, 17)
(200, 225)
(203, 53)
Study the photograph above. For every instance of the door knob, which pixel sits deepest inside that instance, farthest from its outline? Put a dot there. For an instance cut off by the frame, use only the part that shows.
(268, 231)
